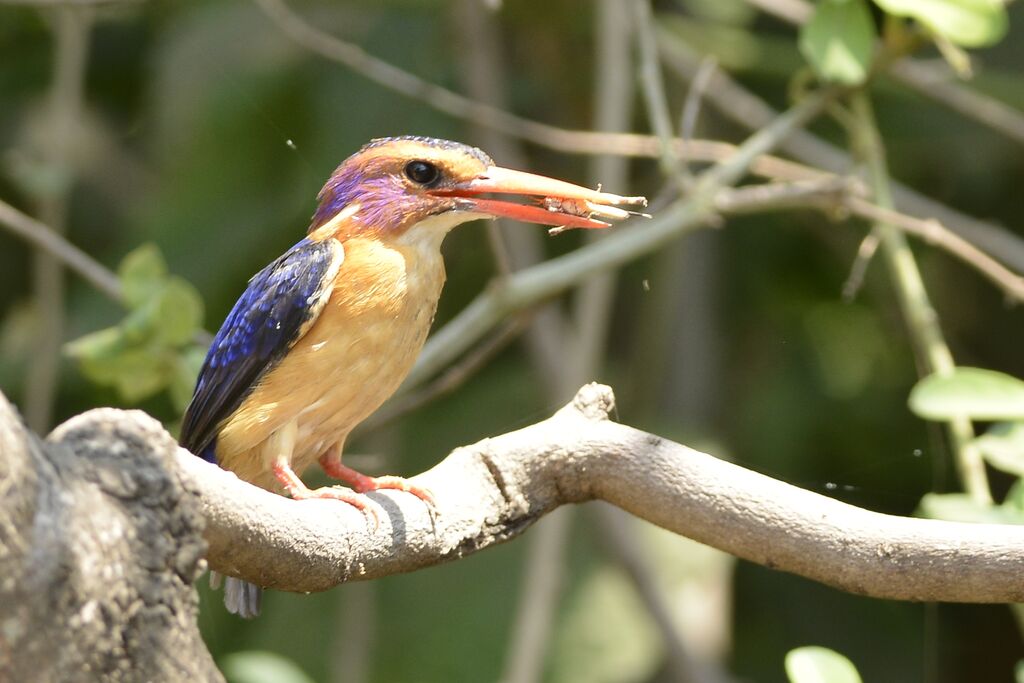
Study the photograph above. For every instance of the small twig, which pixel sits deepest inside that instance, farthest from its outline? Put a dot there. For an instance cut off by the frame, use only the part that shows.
(42, 237)
(741, 106)
(525, 288)
(653, 87)
(828, 193)
(859, 270)
(846, 195)
(544, 135)
(613, 108)
(935, 233)
(920, 315)
(921, 78)
(692, 105)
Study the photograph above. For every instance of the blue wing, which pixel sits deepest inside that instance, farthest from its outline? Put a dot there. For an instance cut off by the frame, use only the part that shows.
(273, 313)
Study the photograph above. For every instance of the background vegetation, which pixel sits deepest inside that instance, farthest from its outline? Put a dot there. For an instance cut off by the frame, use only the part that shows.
(206, 130)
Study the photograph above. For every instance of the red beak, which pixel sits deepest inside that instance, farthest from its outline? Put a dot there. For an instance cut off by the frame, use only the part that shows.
(557, 202)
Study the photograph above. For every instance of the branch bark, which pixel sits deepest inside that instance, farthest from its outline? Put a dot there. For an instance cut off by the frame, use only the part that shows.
(494, 490)
(100, 543)
(99, 531)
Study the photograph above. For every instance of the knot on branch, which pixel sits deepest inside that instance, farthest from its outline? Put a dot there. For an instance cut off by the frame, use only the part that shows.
(593, 401)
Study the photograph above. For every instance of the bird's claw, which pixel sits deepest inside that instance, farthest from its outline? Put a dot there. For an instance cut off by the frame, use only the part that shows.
(355, 499)
(362, 483)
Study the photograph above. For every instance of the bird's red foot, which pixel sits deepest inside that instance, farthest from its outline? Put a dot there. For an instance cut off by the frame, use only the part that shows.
(299, 491)
(362, 483)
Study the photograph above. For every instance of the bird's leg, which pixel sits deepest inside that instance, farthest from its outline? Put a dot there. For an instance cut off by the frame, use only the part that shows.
(299, 491)
(282, 442)
(361, 483)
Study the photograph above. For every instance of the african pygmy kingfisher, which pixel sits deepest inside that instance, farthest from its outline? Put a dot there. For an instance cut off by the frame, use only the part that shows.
(323, 335)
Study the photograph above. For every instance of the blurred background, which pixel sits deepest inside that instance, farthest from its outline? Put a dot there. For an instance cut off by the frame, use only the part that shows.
(206, 129)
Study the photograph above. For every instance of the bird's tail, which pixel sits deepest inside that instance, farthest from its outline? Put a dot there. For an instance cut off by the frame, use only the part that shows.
(240, 597)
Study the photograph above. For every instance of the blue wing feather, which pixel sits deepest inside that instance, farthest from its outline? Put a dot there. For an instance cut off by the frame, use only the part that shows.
(273, 313)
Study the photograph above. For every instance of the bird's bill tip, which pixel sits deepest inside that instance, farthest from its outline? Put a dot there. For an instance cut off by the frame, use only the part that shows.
(556, 202)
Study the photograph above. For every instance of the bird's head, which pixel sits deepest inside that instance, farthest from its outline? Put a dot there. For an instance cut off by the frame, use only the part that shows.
(392, 185)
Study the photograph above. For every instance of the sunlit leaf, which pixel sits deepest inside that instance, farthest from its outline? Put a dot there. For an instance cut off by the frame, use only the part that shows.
(814, 664)
(257, 666)
(839, 40)
(180, 312)
(978, 393)
(143, 273)
(1003, 447)
(970, 23)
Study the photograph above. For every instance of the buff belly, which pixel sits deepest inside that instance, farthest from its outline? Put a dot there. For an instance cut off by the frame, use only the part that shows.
(353, 357)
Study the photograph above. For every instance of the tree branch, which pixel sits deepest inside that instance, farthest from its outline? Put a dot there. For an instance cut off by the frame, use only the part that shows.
(494, 490)
(98, 527)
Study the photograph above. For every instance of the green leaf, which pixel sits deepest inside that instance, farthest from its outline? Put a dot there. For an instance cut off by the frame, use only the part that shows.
(136, 373)
(255, 666)
(814, 664)
(960, 507)
(179, 312)
(969, 23)
(1003, 447)
(143, 273)
(1014, 501)
(839, 41)
(975, 392)
(186, 370)
(99, 344)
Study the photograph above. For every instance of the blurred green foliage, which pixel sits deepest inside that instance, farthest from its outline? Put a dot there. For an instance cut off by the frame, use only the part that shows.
(153, 348)
(206, 138)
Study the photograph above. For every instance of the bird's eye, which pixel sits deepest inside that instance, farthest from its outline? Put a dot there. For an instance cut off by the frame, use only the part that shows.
(422, 172)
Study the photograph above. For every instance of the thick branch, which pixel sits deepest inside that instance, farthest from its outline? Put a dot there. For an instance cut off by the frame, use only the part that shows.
(492, 491)
(99, 547)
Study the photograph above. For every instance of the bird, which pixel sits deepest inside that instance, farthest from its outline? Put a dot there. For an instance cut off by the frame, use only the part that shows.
(325, 333)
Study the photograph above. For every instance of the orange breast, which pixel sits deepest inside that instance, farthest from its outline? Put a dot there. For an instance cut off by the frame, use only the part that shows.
(347, 364)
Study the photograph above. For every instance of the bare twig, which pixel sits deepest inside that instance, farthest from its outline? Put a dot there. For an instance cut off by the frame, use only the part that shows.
(653, 88)
(935, 233)
(547, 279)
(924, 79)
(837, 195)
(552, 137)
(42, 237)
(943, 88)
(859, 270)
(613, 108)
(922, 321)
(741, 106)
